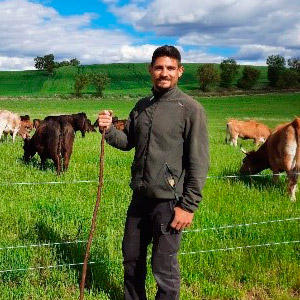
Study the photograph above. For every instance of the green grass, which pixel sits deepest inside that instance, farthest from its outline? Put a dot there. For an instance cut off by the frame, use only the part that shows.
(126, 79)
(49, 213)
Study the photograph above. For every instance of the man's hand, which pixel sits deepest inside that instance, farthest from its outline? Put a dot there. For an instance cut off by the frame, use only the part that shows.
(105, 119)
(182, 219)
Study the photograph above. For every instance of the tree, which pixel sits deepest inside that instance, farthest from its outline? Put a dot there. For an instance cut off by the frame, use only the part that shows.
(249, 78)
(45, 62)
(81, 81)
(276, 64)
(294, 63)
(74, 62)
(208, 75)
(229, 72)
(100, 82)
(288, 78)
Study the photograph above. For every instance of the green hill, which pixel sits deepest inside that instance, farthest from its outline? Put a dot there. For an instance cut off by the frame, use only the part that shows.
(129, 78)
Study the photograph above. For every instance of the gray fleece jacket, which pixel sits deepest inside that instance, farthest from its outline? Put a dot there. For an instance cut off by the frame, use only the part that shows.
(169, 134)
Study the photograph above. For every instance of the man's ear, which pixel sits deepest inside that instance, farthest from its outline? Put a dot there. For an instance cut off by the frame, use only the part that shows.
(180, 71)
(150, 69)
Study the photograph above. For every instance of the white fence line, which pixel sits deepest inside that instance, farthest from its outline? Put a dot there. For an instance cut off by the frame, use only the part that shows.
(241, 225)
(184, 231)
(42, 245)
(118, 180)
(240, 248)
(181, 253)
(44, 267)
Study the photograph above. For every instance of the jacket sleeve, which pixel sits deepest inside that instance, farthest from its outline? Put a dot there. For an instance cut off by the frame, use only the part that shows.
(122, 139)
(196, 158)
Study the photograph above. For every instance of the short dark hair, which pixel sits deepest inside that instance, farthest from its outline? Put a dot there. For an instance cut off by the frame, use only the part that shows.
(166, 50)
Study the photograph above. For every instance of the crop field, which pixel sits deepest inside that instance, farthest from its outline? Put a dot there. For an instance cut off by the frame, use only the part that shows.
(244, 242)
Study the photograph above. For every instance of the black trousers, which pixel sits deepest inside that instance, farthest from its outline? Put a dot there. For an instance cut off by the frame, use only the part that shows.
(148, 220)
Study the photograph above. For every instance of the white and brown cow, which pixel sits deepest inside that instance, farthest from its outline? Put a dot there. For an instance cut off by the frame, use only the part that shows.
(280, 152)
(13, 124)
(9, 123)
(251, 129)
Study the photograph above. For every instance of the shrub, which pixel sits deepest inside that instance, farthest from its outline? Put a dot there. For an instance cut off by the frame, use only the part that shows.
(229, 72)
(208, 75)
(100, 82)
(249, 78)
(276, 64)
(81, 81)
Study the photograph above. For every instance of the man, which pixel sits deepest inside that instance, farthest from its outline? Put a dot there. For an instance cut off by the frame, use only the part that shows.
(168, 132)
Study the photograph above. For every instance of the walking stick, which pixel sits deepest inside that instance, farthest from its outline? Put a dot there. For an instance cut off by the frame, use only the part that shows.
(88, 246)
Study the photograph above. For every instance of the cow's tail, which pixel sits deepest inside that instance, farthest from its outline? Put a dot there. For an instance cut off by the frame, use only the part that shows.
(296, 125)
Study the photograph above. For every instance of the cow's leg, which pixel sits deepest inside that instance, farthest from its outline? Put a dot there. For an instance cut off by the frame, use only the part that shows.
(292, 184)
(43, 162)
(57, 163)
(275, 175)
(14, 135)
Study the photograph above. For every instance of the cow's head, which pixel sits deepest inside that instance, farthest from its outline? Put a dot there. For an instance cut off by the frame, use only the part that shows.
(253, 163)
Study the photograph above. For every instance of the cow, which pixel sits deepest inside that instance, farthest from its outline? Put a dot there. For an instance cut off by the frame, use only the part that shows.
(251, 129)
(280, 152)
(78, 121)
(53, 139)
(11, 123)
(89, 126)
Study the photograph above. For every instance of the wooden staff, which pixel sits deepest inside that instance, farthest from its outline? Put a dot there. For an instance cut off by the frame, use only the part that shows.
(88, 246)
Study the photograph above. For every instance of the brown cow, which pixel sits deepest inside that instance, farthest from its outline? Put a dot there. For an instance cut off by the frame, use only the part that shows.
(251, 129)
(78, 121)
(36, 123)
(53, 139)
(280, 152)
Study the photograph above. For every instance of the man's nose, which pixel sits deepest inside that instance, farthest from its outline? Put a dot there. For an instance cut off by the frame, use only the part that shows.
(164, 72)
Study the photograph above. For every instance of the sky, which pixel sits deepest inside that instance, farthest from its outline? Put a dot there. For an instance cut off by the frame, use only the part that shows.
(128, 31)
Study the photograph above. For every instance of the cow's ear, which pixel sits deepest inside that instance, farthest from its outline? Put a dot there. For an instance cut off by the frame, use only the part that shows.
(244, 151)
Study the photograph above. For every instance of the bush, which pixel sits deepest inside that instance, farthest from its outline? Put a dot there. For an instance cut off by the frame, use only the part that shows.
(288, 79)
(100, 82)
(208, 75)
(276, 65)
(81, 81)
(229, 72)
(249, 78)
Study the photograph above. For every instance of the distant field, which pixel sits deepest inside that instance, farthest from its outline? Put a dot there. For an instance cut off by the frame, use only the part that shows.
(221, 257)
(126, 79)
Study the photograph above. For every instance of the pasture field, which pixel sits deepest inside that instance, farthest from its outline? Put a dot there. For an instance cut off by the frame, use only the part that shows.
(260, 259)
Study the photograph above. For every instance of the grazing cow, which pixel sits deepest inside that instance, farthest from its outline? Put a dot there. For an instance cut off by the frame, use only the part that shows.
(78, 121)
(53, 139)
(280, 152)
(259, 132)
(89, 126)
(11, 123)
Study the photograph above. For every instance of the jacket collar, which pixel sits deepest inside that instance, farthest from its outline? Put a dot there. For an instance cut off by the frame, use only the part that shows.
(166, 95)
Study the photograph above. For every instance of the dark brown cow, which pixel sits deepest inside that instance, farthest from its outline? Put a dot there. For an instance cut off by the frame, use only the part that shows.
(251, 129)
(280, 152)
(53, 140)
(78, 121)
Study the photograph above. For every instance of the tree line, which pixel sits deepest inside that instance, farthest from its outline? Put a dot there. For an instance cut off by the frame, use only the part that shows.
(279, 75)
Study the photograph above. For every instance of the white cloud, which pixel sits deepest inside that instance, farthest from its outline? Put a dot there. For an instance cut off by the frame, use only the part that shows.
(223, 23)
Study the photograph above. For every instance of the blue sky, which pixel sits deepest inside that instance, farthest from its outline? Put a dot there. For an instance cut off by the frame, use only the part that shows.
(111, 31)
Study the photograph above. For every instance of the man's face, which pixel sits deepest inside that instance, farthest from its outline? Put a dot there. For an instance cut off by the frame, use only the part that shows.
(165, 73)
